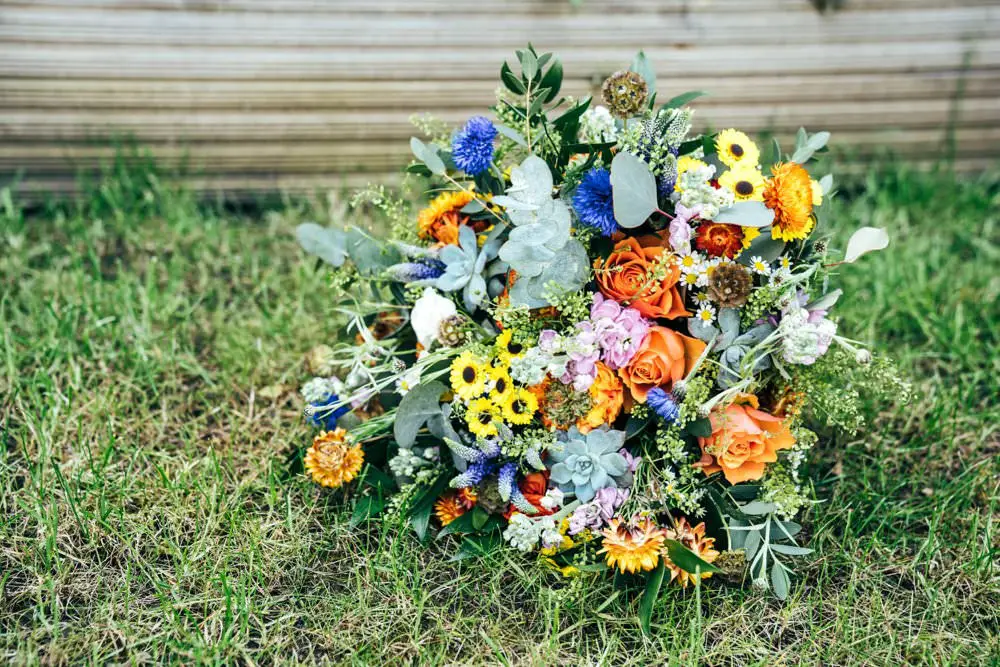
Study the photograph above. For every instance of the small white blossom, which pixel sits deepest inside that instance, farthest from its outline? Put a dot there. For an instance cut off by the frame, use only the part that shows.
(552, 500)
(759, 266)
(428, 312)
(522, 533)
(407, 381)
(319, 389)
(598, 126)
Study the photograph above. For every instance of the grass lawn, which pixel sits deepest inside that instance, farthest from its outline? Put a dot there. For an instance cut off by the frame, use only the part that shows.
(150, 353)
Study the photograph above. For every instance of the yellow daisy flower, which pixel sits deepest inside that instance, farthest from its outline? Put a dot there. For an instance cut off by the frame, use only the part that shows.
(507, 348)
(502, 384)
(520, 406)
(482, 417)
(684, 164)
(749, 234)
(468, 376)
(735, 149)
(746, 183)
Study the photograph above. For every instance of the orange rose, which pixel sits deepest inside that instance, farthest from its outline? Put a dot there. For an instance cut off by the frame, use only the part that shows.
(625, 276)
(533, 488)
(606, 396)
(743, 440)
(664, 357)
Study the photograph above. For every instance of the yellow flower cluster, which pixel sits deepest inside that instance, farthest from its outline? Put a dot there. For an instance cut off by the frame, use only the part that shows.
(486, 388)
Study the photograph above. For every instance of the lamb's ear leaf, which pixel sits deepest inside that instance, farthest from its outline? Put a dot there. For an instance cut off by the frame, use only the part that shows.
(633, 190)
(420, 404)
(654, 581)
(779, 580)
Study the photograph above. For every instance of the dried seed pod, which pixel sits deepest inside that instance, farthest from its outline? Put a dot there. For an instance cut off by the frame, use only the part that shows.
(729, 285)
(624, 93)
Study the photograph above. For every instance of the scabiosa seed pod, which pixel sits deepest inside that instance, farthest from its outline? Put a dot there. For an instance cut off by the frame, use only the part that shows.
(489, 496)
(624, 93)
(730, 285)
(450, 331)
(820, 247)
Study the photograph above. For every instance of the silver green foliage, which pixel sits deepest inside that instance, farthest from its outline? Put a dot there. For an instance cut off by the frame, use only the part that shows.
(732, 346)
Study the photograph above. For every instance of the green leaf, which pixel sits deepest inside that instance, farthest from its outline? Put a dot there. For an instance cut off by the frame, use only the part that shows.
(328, 244)
(474, 206)
(529, 64)
(512, 82)
(758, 508)
(375, 478)
(806, 145)
(552, 79)
(791, 549)
(708, 145)
(700, 428)
(365, 508)
(680, 100)
(779, 580)
(479, 517)
(420, 519)
(864, 241)
(476, 546)
(368, 254)
(654, 581)
(428, 156)
(767, 248)
(460, 525)
(642, 67)
(635, 426)
(633, 190)
(744, 491)
(747, 214)
(686, 559)
(420, 404)
(512, 134)
(423, 506)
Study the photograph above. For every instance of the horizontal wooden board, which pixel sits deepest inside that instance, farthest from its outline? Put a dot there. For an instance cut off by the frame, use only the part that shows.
(301, 93)
(473, 30)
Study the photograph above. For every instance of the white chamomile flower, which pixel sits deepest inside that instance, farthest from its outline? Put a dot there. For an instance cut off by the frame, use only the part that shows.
(701, 298)
(785, 263)
(690, 263)
(758, 264)
(690, 279)
(706, 313)
(407, 381)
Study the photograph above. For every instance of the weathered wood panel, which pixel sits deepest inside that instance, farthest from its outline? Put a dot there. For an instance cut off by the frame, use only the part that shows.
(256, 94)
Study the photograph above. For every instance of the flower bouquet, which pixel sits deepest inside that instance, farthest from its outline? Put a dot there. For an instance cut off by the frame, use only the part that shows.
(602, 339)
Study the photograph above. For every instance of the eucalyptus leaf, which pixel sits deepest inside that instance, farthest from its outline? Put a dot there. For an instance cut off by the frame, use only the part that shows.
(865, 240)
(328, 244)
(682, 99)
(791, 550)
(805, 148)
(529, 64)
(642, 67)
(428, 156)
(474, 206)
(751, 544)
(763, 246)
(421, 404)
(633, 190)
(512, 134)
(747, 214)
(552, 80)
(826, 184)
(758, 508)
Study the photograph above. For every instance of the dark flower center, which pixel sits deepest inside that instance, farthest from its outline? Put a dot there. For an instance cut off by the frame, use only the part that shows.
(469, 374)
(517, 407)
(744, 188)
(736, 150)
(501, 386)
(485, 418)
(515, 348)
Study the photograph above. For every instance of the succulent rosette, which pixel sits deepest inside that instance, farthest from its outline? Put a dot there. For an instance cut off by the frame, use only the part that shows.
(601, 337)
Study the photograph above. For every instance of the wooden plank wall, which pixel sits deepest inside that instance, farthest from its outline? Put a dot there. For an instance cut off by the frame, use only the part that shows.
(263, 94)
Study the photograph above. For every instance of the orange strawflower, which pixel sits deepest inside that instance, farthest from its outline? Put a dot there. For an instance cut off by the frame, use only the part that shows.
(789, 193)
(695, 540)
(632, 547)
(443, 216)
(607, 396)
(332, 461)
(448, 508)
(719, 239)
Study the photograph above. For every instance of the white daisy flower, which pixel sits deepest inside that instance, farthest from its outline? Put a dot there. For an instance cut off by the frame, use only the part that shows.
(706, 313)
(690, 263)
(758, 265)
(701, 298)
(785, 263)
(690, 279)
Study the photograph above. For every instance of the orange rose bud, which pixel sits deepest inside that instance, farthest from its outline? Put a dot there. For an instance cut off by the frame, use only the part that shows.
(744, 439)
(607, 396)
(664, 357)
(625, 276)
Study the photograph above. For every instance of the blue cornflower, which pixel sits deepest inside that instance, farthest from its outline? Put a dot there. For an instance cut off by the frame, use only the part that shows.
(422, 268)
(327, 419)
(593, 202)
(663, 404)
(472, 146)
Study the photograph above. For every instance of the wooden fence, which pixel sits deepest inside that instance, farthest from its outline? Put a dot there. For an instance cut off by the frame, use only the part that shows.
(264, 94)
